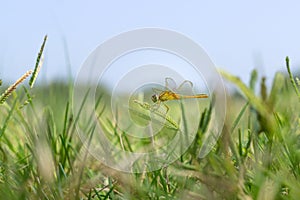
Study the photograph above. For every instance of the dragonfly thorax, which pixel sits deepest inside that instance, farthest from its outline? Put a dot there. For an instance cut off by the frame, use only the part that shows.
(155, 98)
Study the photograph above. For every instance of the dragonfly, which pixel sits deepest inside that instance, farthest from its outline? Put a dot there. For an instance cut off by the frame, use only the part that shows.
(168, 94)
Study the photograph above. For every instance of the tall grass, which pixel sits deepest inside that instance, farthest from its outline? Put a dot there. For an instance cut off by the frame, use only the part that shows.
(257, 156)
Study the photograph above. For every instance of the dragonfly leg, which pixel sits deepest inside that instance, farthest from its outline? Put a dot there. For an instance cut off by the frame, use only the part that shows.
(155, 106)
(166, 108)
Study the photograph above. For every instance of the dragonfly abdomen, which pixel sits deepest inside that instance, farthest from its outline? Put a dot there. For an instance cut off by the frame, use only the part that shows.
(193, 96)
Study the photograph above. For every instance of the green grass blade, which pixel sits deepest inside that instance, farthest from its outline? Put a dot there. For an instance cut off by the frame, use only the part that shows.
(276, 89)
(171, 123)
(255, 102)
(2, 130)
(28, 100)
(77, 117)
(263, 89)
(267, 118)
(81, 171)
(291, 77)
(253, 80)
(66, 119)
(240, 115)
(298, 81)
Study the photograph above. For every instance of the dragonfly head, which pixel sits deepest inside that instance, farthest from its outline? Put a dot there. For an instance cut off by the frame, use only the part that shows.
(154, 98)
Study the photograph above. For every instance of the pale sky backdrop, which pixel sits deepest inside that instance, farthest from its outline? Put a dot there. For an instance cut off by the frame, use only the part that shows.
(237, 35)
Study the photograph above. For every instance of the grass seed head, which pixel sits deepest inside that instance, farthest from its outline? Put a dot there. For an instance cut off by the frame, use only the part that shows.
(38, 64)
(11, 88)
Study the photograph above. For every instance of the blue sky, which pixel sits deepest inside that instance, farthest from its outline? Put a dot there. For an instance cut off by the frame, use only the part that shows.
(237, 35)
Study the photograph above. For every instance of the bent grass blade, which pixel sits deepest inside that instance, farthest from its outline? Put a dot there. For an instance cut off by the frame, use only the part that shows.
(147, 107)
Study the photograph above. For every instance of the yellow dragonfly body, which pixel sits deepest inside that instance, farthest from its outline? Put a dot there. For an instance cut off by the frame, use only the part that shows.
(168, 95)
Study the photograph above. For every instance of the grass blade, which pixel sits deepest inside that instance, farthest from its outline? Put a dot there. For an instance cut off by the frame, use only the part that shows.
(8, 118)
(256, 102)
(291, 77)
(253, 80)
(269, 123)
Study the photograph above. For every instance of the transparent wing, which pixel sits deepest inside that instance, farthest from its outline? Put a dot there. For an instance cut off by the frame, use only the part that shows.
(185, 88)
(170, 84)
(157, 91)
(185, 84)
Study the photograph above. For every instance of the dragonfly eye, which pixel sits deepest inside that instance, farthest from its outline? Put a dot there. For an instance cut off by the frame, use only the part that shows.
(154, 98)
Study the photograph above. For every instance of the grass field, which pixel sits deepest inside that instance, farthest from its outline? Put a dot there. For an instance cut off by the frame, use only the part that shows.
(256, 157)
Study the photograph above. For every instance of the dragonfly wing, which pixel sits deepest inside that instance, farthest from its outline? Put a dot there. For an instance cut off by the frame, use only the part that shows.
(170, 84)
(185, 88)
(185, 83)
(157, 91)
